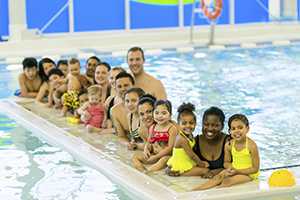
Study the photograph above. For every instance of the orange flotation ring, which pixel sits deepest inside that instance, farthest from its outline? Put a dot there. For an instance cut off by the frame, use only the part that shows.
(212, 15)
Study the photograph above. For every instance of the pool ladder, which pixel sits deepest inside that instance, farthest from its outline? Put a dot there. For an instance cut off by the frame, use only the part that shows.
(195, 10)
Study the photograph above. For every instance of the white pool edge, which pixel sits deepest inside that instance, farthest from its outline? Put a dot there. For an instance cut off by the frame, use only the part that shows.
(139, 185)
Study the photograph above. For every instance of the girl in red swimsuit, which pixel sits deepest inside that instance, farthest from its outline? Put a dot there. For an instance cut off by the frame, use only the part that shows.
(161, 139)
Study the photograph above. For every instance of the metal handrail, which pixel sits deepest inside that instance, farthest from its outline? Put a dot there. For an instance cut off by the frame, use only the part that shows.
(193, 21)
(212, 25)
(54, 17)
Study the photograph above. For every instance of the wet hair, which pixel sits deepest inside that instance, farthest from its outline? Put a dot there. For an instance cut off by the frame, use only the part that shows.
(121, 69)
(186, 109)
(94, 58)
(166, 102)
(214, 111)
(139, 91)
(125, 75)
(29, 62)
(147, 98)
(132, 49)
(94, 90)
(55, 71)
(240, 117)
(106, 65)
(73, 61)
(42, 74)
(62, 62)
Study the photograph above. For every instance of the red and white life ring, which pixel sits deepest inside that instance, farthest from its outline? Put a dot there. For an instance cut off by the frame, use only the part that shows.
(217, 10)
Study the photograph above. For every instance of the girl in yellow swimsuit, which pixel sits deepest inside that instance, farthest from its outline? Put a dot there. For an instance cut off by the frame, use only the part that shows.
(241, 160)
(184, 161)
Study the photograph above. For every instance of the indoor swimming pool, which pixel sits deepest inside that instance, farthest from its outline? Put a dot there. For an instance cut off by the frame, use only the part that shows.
(263, 83)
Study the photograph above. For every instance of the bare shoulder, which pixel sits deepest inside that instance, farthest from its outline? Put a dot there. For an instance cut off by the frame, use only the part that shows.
(251, 144)
(149, 77)
(22, 76)
(173, 129)
(154, 80)
(181, 140)
(116, 108)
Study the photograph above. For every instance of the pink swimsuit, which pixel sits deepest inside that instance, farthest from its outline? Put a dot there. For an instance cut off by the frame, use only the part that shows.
(97, 115)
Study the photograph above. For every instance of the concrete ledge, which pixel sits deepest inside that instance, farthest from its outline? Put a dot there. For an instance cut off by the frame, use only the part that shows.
(140, 185)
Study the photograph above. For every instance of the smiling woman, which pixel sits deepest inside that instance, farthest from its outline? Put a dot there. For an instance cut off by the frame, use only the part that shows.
(210, 144)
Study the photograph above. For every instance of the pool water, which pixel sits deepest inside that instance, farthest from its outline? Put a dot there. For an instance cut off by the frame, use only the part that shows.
(263, 83)
(32, 169)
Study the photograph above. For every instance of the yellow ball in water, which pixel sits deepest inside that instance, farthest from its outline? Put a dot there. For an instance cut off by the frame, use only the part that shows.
(282, 178)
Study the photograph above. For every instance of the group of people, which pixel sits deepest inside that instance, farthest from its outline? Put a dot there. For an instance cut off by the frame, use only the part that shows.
(134, 106)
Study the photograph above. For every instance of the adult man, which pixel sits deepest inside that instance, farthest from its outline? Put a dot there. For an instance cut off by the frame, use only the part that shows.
(135, 60)
(124, 81)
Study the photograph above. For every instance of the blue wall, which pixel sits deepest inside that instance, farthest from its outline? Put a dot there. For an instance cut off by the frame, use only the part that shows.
(3, 17)
(92, 15)
(153, 16)
(40, 12)
(250, 11)
(298, 9)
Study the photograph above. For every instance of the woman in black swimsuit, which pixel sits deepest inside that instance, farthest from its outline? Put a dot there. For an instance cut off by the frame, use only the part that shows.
(210, 144)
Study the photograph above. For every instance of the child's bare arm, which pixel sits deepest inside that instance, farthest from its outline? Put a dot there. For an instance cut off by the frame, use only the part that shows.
(147, 153)
(143, 132)
(60, 90)
(42, 92)
(227, 155)
(83, 108)
(187, 148)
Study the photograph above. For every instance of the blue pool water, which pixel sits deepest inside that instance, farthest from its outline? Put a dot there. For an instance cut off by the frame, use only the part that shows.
(31, 169)
(262, 83)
